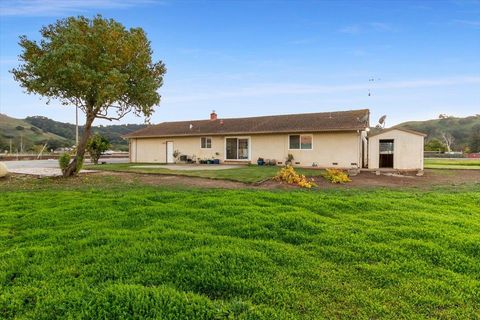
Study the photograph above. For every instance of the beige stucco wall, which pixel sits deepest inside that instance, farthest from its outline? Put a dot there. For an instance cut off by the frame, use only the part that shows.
(407, 150)
(342, 148)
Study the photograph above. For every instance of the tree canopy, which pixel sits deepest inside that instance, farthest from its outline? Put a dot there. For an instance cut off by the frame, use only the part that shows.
(95, 64)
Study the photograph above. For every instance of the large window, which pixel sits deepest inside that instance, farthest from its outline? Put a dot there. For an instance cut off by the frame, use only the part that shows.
(206, 143)
(300, 141)
(237, 148)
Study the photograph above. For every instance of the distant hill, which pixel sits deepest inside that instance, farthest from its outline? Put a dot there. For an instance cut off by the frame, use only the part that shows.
(112, 132)
(25, 136)
(32, 132)
(462, 129)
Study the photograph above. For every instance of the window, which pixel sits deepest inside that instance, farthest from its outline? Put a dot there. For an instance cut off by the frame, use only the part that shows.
(206, 143)
(300, 141)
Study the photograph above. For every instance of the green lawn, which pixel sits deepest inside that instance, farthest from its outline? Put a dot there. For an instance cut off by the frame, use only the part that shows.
(107, 251)
(248, 174)
(467, 164)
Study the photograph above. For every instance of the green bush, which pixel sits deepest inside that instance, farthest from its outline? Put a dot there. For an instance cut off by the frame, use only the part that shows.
(64, 161)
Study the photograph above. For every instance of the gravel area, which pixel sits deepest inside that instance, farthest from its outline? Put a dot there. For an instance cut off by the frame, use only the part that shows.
(43, 172)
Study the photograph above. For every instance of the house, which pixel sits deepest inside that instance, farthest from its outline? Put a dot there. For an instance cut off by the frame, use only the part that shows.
(327, 139)
(396, 148)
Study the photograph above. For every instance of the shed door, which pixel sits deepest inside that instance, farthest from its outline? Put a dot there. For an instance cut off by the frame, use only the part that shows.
(386, 154)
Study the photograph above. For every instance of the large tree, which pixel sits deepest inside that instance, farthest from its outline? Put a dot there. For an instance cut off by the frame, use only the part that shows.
(95, 64)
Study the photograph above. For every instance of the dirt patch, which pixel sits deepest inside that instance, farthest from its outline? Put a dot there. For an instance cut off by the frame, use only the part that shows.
(364, 179)
(431, 178)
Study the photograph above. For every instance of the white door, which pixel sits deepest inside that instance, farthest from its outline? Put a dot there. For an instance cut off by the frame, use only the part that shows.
(170, 158)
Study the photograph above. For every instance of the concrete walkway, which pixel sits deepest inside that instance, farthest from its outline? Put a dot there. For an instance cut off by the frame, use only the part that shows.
(188, 167)
(46, 168)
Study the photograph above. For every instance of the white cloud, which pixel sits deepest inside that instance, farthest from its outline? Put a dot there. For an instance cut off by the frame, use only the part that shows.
(353, 29)
(468, 23)
(59, 7)
(300, 89)
(372, 26)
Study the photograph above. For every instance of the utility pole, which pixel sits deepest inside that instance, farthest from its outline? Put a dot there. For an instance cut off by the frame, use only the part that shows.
(21, 143)
(76, 126)
(10, 145)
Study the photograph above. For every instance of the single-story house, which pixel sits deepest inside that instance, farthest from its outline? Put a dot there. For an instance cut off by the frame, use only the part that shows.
(327, 139)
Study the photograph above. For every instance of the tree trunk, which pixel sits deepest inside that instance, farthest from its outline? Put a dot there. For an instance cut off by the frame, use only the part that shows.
(71, 170)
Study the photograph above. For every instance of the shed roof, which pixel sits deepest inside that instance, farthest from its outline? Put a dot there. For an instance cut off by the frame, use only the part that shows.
(306, 122)
(397, 128)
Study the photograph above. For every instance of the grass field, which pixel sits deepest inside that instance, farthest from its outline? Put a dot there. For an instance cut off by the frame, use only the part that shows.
(467, 164)
(248, 174)
(110, 252)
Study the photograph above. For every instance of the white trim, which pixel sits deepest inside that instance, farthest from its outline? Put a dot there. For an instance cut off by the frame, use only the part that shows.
(237, 137)
(206, 137)
(300, 141)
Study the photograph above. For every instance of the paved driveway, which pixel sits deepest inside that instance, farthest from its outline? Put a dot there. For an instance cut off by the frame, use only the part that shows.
(47, 167)
(188, 167)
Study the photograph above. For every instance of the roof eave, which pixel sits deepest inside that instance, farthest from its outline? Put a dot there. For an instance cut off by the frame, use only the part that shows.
(242, 133)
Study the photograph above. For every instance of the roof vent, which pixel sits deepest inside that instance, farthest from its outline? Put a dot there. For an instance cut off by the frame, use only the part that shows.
(213, 115)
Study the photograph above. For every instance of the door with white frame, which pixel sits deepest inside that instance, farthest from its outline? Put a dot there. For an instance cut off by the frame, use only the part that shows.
(237, 148)
(170, 158)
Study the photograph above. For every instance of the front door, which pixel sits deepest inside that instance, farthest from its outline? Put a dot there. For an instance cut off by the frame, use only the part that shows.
(170, 158)
(386, 154)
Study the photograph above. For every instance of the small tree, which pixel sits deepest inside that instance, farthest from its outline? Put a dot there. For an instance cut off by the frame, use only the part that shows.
(435, 145)
(97, 145)
(449, 140)
(96, 65)
(475, 138)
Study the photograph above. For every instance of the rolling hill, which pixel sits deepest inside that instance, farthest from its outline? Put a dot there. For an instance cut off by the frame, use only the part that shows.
(25, 136)
(463, 130)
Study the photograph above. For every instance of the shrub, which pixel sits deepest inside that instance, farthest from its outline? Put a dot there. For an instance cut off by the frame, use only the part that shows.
(96, 145)
(289, 175)
(336, 176)
(64, 161)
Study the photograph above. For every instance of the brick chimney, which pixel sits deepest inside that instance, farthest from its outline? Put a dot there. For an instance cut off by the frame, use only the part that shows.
(213, 115)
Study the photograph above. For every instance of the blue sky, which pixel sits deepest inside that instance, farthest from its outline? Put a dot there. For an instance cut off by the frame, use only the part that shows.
(248, 58)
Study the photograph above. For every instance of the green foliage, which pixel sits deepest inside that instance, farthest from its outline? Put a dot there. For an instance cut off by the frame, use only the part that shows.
(133, 252)
(64, 161)
(96, 64)
(474, 144)
(435, 145)
(19, 128)
(112, 133)
(97, 145)
(30, 138)
(459, 128)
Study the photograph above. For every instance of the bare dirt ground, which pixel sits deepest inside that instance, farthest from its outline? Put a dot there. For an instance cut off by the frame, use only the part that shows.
(431, 178)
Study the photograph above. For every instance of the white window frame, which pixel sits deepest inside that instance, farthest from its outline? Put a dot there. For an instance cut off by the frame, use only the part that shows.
(211, 140)
(300, 141)
(237, 137)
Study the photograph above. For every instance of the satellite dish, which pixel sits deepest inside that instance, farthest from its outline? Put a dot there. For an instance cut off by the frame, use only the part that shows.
(381, 121)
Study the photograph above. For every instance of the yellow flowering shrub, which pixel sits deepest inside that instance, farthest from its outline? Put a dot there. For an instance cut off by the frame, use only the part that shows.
(336, 176)
(289, 175)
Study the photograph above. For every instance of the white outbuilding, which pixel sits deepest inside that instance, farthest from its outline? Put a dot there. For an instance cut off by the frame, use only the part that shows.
(396, 148)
